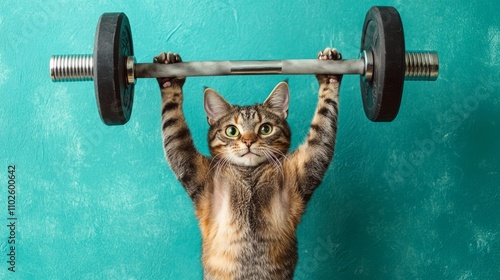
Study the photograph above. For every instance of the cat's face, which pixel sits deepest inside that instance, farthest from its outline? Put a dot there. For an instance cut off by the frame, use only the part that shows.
(250, 135)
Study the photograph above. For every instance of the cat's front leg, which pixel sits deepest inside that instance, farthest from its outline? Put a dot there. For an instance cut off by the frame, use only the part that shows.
(314, 155)
(187, 163)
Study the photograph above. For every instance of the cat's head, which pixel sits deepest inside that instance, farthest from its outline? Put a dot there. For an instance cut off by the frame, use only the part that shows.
(249, 135)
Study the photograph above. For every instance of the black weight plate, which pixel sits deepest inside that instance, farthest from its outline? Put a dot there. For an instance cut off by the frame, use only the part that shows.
(113, 43)
(383, 35)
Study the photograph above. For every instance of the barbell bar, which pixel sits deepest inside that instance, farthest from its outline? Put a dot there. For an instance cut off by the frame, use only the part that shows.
(60, 72)
(383, 66)
(79, 68)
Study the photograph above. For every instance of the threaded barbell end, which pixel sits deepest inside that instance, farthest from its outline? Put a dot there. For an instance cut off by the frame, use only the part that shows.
(71, 68)
(421, 66)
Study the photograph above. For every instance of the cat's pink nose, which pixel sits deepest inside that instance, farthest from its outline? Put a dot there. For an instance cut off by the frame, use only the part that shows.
(248, 139)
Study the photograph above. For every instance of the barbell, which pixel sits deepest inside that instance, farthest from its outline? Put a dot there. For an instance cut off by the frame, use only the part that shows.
(383, 66)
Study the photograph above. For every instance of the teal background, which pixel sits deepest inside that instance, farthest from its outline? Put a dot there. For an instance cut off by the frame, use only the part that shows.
(417, 198)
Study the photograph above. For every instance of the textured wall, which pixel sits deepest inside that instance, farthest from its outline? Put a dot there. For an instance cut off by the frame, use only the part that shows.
(417, 198)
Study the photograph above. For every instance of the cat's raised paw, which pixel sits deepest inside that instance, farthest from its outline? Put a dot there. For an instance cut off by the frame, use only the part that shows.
(169, 58)
(329, 54)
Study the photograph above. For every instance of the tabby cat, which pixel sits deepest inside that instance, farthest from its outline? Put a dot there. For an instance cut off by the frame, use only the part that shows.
(250, 194)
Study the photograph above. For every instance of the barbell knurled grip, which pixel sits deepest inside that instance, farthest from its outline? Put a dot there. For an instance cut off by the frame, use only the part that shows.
(68, 68)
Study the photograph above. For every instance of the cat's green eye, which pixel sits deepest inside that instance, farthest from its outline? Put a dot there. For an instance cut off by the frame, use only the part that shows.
(266, 129)
(232, 131)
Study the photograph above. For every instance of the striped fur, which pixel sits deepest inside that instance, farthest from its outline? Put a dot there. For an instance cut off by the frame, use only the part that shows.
(249, 195)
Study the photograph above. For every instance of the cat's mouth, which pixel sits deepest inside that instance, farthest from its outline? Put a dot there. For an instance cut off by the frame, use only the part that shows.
(249, 153)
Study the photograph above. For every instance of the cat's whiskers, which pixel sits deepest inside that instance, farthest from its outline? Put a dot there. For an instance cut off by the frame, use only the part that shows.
(274, 160)
(271, 158)
(226, 157)
(278, 151)
(226, 164)
(215, 161)
(220, 162)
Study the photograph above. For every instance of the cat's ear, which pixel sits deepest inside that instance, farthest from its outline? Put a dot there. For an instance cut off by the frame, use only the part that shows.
(215, 105)
(279, 99)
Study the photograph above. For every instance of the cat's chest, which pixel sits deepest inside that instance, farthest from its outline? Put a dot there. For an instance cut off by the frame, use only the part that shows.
(248, 201)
